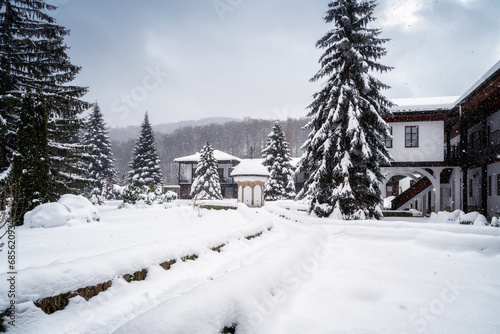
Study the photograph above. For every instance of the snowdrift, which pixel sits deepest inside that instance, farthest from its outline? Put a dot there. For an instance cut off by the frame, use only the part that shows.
(69, 210)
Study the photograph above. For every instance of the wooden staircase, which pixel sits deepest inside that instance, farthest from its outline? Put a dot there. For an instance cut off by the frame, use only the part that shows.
(417, 188)
(410, 193)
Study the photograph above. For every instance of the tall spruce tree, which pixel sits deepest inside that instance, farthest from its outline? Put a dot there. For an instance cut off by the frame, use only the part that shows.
(345, 148)
(33, 54)
(276, 154)
(102, 165)
(145, 164)
(206, 184)
(69, 159)
(31, 164)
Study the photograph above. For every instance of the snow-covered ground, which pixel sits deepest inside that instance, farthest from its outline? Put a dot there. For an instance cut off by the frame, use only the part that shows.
(304, 275)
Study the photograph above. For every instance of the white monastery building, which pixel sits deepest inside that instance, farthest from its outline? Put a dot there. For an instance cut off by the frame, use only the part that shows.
(450, 147)
(446, 153)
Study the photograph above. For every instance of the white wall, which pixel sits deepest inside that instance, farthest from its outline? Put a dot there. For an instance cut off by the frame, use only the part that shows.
(430, 142)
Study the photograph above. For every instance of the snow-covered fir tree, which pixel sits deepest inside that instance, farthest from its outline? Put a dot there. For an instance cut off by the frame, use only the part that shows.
(102, 165)
(276, 154)
(69, 159)
(345, 148)
(145, 164)
(33, 53)
(206, 184)
(30, 171)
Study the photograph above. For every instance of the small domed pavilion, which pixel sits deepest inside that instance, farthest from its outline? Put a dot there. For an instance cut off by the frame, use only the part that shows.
(251, 175)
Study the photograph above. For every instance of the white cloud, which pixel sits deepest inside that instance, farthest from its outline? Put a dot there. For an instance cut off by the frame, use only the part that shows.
(404, 13)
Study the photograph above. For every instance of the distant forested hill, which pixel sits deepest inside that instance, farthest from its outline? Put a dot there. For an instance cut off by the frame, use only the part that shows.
(131, 132)
(241, 138)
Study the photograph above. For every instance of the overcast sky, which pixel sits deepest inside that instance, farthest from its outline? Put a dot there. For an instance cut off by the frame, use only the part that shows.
(191, 59)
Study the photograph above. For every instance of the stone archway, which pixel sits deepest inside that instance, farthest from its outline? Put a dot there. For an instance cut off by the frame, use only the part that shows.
(434, 178)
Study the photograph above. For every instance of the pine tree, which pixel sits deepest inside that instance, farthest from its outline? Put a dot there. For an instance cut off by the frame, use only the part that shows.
(345, 148)
(276, 154)
(206, 185)
(145, 164)
(102, 165)
(31, 165)
(69, 159)
(33, 54)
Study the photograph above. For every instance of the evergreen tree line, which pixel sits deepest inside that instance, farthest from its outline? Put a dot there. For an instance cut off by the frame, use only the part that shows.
(40, 148)
(48, 149)
(243, 139)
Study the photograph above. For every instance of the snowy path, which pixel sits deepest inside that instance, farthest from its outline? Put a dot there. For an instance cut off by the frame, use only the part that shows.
(306, 275)
(366, 277)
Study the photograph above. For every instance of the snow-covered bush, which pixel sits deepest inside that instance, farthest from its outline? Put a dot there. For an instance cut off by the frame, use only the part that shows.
(170, 196)
(495, 222)
(130, 194)
(147, 195)
(459, 217)
(69, 210)
(480, 221)
(95, 197)
(118, 191)
(468, 218)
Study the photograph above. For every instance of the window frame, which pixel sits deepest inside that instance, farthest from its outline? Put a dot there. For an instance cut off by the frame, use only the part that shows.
(220, 172)
(388, 141)
(409, 141)
(498, 184)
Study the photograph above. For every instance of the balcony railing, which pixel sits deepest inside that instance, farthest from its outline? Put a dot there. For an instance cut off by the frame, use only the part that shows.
(225, 180)
(476, 147)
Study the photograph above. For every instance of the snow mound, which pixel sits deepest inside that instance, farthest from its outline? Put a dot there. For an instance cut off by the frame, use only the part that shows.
(47, 215)
(453, 217)
(459, 217)
(69, 210)
(80, 207)
(480, 221)
(468, 218)
(440, 217)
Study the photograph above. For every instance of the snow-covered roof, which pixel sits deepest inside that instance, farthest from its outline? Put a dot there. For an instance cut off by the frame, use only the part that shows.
(478, 83)
(441, 102)
(425, 103)
(250, 167)
(218, 155)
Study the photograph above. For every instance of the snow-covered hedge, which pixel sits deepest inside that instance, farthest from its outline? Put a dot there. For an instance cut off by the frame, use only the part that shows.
(97, 197)
(147, 195)
(460, 217)
(69, 210)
